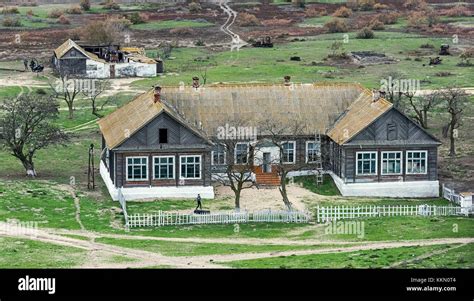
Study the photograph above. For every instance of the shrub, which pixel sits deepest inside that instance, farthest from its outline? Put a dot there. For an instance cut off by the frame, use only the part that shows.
(85, 4)
(41, 91)
(390, 18)
(458, 11)
(111, 5)
(277, 22)
(63, 20)
(427, 46)
(74, 10)
(336, 25)
(11, 22)
(365, 33)
(194, 7)
(55, 13)
(182, 31)
(10, 10)
(136, 18)
(199, 43)
(421, 18)
(412, 4)
(380, 6)
(30, 13)
(376, 25)
(246, 19)
(365, 4)
(342, 12)
(315, 12)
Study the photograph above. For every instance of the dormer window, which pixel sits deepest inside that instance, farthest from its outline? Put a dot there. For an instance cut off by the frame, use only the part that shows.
(163, 136)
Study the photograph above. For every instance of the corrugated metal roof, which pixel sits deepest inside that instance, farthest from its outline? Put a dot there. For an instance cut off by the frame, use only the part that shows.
(360, 114)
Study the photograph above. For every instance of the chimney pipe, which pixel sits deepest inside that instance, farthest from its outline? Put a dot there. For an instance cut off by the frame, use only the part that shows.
(287, 79)
(196, 82)
(157, 94)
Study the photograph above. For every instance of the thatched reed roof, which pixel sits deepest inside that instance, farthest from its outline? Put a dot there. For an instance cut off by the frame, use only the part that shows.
(207, 108)
(360, 114)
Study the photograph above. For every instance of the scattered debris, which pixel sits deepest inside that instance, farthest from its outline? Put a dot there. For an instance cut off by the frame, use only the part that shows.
(295, 58)
(371, 58)
(444, 50)
(264, 42)
(435, 61)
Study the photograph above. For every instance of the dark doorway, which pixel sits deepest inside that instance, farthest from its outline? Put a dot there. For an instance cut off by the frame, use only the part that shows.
(266, 166)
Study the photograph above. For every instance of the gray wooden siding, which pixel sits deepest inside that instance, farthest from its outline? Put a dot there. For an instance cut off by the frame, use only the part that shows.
(351, 161)
(121, 172)
(178, 135)
(406, 131)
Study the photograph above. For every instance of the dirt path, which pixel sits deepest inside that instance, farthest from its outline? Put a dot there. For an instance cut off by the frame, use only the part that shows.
(427, 255)
(97, 251)
(236, 43)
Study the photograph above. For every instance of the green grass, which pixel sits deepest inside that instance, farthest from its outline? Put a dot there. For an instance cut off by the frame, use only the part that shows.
(9, 92)
(402, 228)
(327, 188)
(24, 253)
(169, 248)
(271, 64)
(360, 259)
(169, 24)
(316, 21)
(459, 258)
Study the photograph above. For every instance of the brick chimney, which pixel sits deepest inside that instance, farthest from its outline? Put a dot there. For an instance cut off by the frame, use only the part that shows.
(196, 82)
(287, 79)
(157, 94)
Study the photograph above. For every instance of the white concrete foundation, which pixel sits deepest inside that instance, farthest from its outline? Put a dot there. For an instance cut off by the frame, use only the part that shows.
(413, 189)
(162, 192)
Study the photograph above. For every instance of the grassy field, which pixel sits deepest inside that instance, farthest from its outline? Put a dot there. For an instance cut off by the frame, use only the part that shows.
(24, 253)
(271, 64)
(360, 259)
(169, 24)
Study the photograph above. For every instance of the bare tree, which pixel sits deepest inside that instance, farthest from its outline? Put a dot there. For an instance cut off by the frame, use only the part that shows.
(278, 133)
(236, 155)
(422, 105)
(93, 92)
(455, 100)
(66, 89)
(109, 31)
(238, 173)
(27, 127)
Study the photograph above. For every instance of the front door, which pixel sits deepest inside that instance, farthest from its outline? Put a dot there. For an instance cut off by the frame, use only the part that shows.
(112, 71)
(266, 166)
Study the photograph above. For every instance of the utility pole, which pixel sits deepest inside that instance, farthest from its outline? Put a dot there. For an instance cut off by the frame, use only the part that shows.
(90, 171)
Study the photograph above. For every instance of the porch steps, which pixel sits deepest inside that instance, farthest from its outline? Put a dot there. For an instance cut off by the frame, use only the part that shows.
(268, 179)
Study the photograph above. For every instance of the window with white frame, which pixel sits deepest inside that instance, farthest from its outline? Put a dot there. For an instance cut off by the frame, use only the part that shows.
(137, 168)
(190, 167)
(163, 167)
(312, 151)
(417, 162)
(241, 153)
(289, 151)
(366, 163)
(218, 155)
(391, 163)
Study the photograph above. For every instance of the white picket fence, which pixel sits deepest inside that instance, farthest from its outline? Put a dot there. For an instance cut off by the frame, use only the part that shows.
(123, 204)
(334, 213)
(175, 218)
(451, 195)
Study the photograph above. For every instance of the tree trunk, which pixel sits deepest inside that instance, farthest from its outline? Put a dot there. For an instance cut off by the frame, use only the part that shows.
(452, 148)
(425, 119)
(71, 110)
(29, 167)
(283, 191)
(237, 200)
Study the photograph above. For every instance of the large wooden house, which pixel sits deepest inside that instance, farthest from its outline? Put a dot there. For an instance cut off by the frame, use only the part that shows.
(162, 144)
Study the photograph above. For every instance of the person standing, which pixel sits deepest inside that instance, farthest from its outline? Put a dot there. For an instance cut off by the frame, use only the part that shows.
(25, 63)
(199, 204)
